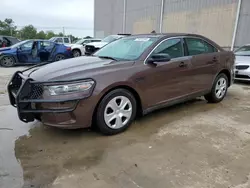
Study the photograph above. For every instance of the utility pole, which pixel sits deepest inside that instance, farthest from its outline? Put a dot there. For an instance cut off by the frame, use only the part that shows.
(162, 14)
(63, 31)
(124, 16)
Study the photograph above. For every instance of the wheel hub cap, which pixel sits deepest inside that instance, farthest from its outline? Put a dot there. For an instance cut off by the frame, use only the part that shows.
(118, 112)
(221, 87)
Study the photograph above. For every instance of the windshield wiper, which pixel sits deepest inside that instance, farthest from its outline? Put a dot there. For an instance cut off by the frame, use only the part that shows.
(108, 57)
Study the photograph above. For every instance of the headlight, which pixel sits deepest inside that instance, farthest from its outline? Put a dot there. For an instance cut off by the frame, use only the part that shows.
(70, 88)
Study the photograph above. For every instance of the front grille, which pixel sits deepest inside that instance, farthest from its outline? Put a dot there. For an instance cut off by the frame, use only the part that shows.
(242, 76)
(36, 91)
(242, 67)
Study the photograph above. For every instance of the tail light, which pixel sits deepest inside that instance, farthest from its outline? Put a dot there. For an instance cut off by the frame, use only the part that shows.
(68, 49)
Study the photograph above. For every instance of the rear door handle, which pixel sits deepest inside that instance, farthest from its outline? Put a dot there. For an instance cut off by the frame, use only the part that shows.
(182, 64)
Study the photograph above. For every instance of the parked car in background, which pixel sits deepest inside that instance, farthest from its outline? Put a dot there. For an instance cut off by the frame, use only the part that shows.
(32, 52)
(78, 48)
(94, 46)
(6, 41)
(242, 63)
(131, 76)
(61, 40)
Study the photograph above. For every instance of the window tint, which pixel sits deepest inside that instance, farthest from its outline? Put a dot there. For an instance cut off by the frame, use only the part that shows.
(172, 47)
(66, 40)
(95, 40)
(197, 46)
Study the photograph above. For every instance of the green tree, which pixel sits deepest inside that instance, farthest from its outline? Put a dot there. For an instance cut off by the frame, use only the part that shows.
(41, 35)
(29, 32)
(7, 27)
(50, 34)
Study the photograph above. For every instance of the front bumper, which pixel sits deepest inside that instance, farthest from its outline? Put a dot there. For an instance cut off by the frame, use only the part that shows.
(243, 75)
(32, 102)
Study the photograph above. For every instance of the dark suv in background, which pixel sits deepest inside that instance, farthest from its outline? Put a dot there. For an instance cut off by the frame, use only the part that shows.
(133, 75)
(7, 41)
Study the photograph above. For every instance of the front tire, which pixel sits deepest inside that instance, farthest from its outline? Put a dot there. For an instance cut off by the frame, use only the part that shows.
(219, 89)
(7, 61)
(116, 112)
(76, 53)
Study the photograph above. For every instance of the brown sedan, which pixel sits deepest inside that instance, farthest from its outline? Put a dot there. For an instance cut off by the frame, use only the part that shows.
(133, 75)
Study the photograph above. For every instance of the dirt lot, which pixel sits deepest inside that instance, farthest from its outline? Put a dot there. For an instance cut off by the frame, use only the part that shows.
(192, 145)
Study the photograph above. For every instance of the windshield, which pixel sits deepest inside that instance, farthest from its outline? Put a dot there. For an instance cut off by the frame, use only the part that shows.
(19, 44)
(111, 38)
(80, 41)
(243, 51)
(129, 48)
(52, 39)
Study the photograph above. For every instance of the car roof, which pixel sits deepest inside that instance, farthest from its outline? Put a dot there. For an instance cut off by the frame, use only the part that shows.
(39, 40)
(7, 36)
(168, 35)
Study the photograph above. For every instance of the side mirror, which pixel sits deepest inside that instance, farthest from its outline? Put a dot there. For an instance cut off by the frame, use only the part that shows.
(159, 58)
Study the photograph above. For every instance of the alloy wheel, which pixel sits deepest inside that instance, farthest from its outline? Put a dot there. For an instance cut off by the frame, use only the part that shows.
(118, 112)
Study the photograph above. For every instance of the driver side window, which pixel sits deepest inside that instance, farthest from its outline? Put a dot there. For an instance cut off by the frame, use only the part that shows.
(172, 47)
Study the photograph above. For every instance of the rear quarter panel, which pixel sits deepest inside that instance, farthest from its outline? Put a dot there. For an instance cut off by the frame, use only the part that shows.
(227, 62)
(62, 49)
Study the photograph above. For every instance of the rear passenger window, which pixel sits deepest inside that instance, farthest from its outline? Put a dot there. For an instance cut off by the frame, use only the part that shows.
(197, 46)
(172, 47)
(45, 44)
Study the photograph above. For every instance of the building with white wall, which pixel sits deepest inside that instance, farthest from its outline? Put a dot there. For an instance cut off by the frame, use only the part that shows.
(225, 21)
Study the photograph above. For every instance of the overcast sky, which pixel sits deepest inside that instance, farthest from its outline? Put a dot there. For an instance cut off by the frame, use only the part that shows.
(75, 15)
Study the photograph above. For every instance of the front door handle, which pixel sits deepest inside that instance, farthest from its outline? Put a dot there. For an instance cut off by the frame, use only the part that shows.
(215, 59)
(182, 64)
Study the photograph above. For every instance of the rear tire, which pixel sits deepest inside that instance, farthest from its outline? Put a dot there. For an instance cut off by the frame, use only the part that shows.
(116, 112)
(59, 57)
(7, 61)
(219, 89)
(76, 53)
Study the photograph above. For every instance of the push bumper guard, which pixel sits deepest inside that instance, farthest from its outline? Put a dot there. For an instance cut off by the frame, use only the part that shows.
(27, 96)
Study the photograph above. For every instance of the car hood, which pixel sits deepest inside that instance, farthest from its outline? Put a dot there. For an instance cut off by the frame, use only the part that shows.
(76, 68)
(242, 60)
(4, 49)
(97, 44)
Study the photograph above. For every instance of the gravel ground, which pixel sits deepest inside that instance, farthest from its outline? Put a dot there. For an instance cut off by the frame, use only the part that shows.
(191, 145)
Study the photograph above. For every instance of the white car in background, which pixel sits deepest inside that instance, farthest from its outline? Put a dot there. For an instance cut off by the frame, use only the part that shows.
(78, 48)
(242, 63)
(94, 46)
